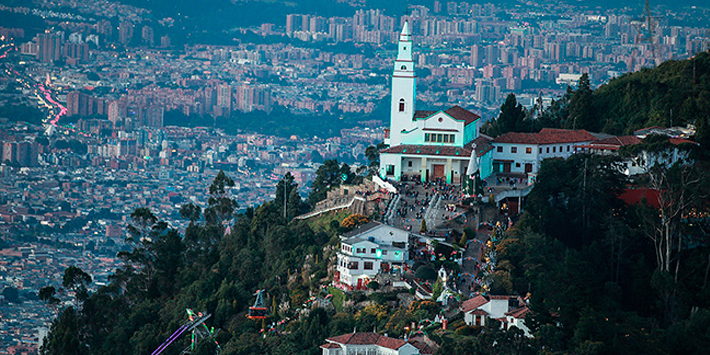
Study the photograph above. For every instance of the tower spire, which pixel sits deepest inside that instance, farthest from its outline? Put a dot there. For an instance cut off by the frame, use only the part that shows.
(406, 35)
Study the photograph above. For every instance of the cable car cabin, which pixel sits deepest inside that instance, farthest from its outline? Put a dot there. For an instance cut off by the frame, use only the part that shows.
(257, 312)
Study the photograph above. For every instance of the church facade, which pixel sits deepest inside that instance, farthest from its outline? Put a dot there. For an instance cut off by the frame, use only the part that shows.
(425, 145)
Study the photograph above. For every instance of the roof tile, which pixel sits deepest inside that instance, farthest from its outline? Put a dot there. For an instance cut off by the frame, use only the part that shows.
(428, 150)
(546, 136)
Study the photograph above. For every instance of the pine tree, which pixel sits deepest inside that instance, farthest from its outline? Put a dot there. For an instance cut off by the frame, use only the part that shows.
(582, 112)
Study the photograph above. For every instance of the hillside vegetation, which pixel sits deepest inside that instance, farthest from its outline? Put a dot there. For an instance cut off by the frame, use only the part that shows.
(676, 93)
(604, 276)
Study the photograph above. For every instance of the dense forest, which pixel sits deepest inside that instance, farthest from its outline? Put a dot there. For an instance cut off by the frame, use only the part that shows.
(606, 274)
(676, 93)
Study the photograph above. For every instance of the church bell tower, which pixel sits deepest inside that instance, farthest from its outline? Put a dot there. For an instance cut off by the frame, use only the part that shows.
(403, 89)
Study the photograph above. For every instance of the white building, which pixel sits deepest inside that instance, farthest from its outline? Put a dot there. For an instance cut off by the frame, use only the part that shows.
(367, 251)
(510, 311)
(368, 344)
(424, 145)
(517, 152)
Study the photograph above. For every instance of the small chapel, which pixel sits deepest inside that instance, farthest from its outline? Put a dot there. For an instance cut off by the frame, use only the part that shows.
(425, 145)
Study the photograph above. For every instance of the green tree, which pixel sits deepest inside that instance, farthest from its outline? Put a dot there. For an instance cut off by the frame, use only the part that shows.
(287, 200)
(512, 118)
(221, 205)
(11, 294)
(582, 109)
(426, 272)
(76, 279)
(574, 197)
(372, 153)
(190, 212)
(329, 175)
(47, 294)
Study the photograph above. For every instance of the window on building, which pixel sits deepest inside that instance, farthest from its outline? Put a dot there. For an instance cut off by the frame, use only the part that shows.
(539, 151)
(409, 163)
(513, 150)
(372, 250)
(554, 149)
(568, 148)
(528, 150)
(439, 138)
(401, 105)
(499, 149)
(390, 170)
(367, 265)
(547, 150)
(404, 67)
(517, 165)
(384, 252)
(353, 265)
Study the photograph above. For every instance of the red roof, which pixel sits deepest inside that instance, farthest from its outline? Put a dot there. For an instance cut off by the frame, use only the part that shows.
(483, 144)
(546, 136)
(677, 141)
(619, 141)
(473, 303)
(368, 339)
(390, 343)
(462, 114)
(479, 312)
(428, 150)
(634, 196)
(421, 344)
(330, 346)
(502, 297)
(519, 313)
(613, 143)
(457, 112)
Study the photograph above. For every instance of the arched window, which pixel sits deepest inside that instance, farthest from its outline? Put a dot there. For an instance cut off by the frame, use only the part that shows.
(404, 67)
(401, 105)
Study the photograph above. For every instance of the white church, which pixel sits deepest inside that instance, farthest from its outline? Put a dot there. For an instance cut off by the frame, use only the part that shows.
(425, 145)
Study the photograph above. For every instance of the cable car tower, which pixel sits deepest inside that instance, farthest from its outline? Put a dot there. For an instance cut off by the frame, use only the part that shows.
(195, 325)
(258, 310)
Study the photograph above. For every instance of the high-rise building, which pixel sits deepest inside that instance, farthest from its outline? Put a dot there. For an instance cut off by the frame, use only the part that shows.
(125, 32)
(224, 99)
(292, 23)
(153, 116)
(147, 35)
(49, 47)
(21, 153)
(165, 41)
(84, 105)
(76, 52)
(476, 55)
(114, 113)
